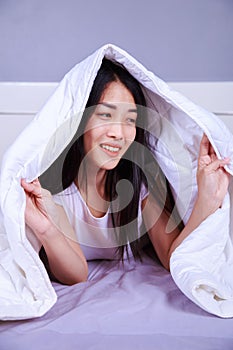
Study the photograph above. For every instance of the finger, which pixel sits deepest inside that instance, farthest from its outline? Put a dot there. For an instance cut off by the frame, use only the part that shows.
(217, 164)
(212, 153)
(203, 161)
(26, 186)
(32, 187)
(204, 146)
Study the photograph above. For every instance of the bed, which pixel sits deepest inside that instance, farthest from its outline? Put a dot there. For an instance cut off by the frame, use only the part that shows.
(117, 307)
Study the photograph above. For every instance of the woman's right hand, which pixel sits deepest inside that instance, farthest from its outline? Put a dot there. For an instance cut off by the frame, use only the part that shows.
(36, 212)
(66, 260)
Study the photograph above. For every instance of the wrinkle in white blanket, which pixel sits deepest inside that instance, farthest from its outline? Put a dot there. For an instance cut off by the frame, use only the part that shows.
(201, 266)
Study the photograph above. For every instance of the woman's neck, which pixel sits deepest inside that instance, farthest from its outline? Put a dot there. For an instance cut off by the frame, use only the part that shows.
(91, 185)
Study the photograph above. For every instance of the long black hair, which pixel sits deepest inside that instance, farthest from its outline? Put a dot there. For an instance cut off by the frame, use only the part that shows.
(131, 166)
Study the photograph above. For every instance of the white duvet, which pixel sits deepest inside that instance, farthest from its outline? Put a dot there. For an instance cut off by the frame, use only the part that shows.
(202, 266)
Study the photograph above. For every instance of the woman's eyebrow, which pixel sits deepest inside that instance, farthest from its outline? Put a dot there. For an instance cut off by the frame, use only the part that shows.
(109, 105)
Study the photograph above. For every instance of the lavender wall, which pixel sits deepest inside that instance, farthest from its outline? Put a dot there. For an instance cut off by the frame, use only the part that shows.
(180, 40)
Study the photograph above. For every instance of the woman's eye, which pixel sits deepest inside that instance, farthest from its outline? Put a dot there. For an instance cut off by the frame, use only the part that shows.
(131, 121)
(104, 115)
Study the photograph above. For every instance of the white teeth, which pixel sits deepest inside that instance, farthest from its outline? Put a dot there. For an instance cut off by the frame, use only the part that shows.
(110, 148)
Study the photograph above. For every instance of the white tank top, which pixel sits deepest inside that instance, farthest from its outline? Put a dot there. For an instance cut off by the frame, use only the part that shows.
(96, 236)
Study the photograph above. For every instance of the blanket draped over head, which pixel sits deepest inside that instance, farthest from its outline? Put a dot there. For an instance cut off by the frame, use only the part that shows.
(202, 266)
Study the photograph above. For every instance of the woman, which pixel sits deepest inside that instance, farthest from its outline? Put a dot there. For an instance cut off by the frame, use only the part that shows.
(107, 152)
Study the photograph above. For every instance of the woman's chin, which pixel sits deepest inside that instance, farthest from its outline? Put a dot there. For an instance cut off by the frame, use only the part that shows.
(111, 164)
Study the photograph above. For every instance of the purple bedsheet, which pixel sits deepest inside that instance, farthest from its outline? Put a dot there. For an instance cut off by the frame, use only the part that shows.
(135, 306)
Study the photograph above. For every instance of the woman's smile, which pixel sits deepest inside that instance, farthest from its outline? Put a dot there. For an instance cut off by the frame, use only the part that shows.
(113, 150)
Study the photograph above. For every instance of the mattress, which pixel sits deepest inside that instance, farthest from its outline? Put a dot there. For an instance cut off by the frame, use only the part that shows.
(135, 306)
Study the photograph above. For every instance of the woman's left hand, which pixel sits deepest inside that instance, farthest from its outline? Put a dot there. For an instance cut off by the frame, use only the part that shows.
(212, 179)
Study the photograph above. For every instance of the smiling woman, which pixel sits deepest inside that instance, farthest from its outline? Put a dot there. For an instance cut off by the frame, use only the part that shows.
(104, 159)
(110, 207)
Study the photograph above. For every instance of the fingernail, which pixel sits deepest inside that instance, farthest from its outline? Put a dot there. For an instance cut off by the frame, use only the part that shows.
(226, 159)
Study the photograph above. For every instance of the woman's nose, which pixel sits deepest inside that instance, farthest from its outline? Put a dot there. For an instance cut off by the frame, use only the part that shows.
(115, 130)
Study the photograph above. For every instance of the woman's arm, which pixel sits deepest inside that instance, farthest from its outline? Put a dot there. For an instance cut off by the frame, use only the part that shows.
(212, 181)
(51, 226)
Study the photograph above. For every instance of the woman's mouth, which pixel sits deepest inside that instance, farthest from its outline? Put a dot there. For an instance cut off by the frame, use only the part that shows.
(111, 149)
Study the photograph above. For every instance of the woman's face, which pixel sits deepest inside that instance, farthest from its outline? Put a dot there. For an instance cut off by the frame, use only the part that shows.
(111, 128)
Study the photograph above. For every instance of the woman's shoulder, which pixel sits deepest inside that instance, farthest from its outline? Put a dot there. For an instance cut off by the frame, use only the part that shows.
(144, 191)
(70, 192)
